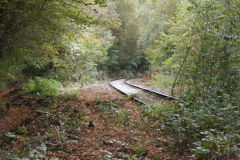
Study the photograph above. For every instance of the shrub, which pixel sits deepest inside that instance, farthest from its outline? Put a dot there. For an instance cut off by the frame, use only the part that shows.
(42, 86)
(212, 132)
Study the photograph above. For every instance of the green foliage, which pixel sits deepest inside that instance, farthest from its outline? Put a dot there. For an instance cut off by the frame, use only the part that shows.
(36, 36)
(108, 106)
(21, 129)
(85, 52)
(42, 86)
(155, 19)
(161, 80)
(124, 59)
(141, 151)
(199, 42)
(213, 132)
(9, 135)
(158, 111)
(131, 97)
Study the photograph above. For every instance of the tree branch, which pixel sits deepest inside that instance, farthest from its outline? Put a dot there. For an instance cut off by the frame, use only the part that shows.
(184, 60)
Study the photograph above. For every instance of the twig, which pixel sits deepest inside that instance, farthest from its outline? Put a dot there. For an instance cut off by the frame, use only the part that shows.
(4, 93)
(59, 138)
(43, 112)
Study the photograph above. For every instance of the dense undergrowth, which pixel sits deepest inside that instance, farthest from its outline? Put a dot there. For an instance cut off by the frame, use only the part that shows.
(205, 132)
(199, 42)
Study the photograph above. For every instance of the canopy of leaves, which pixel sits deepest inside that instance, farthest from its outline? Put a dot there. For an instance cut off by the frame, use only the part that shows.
(35, 35)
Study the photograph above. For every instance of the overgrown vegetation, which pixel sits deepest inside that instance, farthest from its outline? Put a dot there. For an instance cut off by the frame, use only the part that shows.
(199, 42)
(189, 47)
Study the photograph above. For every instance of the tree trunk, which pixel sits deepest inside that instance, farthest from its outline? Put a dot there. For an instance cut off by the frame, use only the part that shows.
(150, 72)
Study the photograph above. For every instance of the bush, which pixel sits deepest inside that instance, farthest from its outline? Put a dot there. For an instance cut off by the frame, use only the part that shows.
(42, 86)
(212, 132)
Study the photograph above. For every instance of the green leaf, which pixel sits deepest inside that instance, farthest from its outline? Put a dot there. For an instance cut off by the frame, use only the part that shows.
(10, 135)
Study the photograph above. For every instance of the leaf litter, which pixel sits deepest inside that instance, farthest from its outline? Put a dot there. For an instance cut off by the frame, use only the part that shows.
(100, 123)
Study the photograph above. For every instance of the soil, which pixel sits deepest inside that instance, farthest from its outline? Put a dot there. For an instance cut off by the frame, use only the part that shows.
(100, 123)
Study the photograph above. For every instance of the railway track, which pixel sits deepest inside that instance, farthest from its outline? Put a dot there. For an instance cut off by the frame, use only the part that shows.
(141, 94)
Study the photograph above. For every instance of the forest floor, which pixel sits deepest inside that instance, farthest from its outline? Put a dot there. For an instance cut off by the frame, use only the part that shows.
(100, 123)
